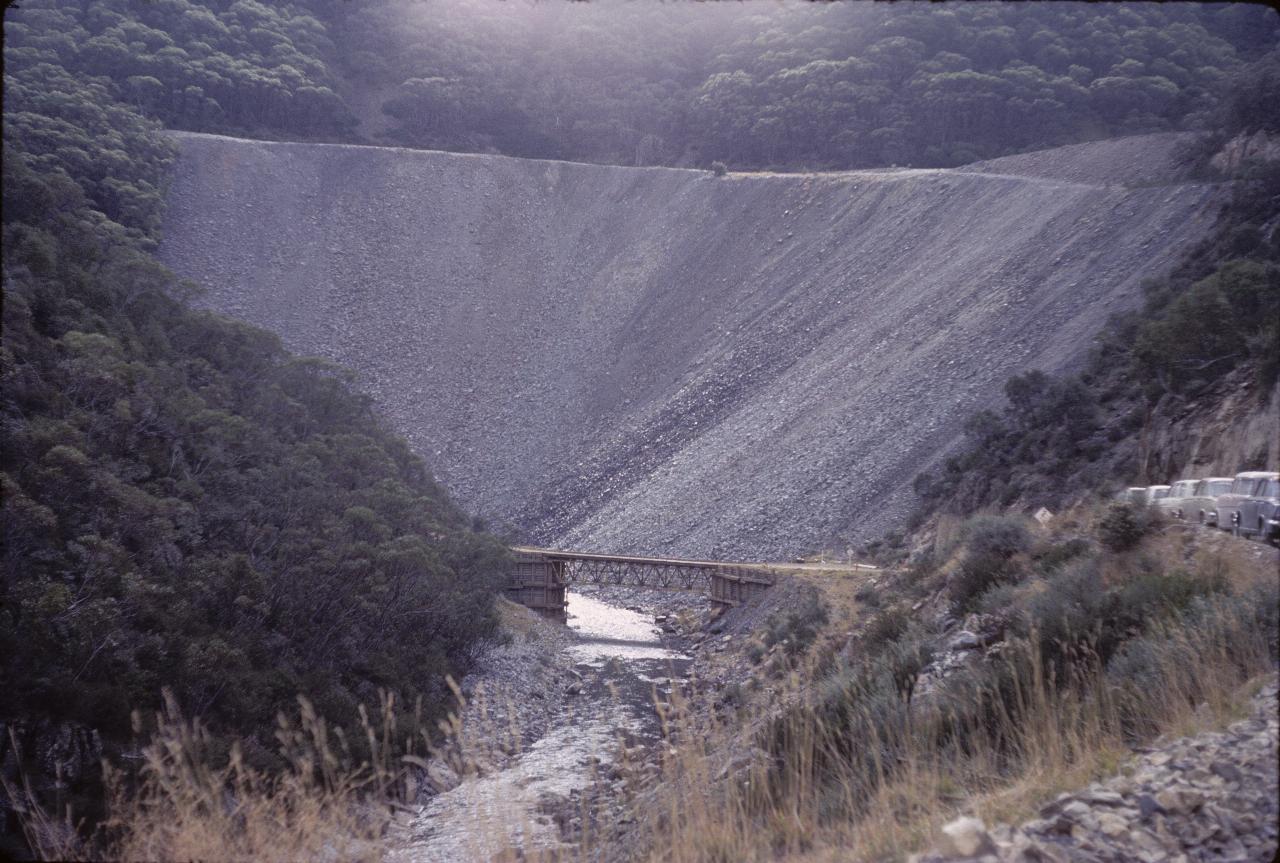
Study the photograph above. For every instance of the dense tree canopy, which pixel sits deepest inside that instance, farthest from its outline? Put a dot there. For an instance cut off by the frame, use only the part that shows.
(244, 66)
(779, 84)
(815, 85)
(185, 504)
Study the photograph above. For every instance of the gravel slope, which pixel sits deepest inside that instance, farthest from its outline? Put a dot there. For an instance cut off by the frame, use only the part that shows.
(655, 360)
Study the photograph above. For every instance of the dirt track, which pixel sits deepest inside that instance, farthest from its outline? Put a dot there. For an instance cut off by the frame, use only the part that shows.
(653, 360)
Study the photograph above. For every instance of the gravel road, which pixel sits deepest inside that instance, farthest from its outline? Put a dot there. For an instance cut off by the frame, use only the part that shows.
(654, 360)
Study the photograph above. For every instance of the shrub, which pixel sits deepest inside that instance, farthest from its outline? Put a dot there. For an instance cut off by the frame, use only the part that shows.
(868, 596)
(998, 599)
(992, 544)
(885, 627)
(906, 657)
(800, 626)
(1152, 595)
(731, 695)
(1124, 526)
(1068, 617)
(1056, 554)
(1002, 536)
(1078, 615)
(719, 168)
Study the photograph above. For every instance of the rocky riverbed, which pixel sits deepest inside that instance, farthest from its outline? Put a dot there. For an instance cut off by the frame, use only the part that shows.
(556, 721)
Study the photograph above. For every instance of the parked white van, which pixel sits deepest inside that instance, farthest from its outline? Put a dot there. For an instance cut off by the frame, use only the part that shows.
(1242, 488)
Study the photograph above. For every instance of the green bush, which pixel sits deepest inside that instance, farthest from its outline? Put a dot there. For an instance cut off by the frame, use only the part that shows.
(992, 545)
(1152, 595)
(1235, 627)
(1056, 554)
(997, 535)
(719, 169)
(1076, 615)
(1124, 526)
(1072, 616)
(885, 627)
(997, 599)
(868, 596)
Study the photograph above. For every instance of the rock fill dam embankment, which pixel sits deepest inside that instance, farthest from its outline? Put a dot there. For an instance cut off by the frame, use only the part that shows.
(655, 360)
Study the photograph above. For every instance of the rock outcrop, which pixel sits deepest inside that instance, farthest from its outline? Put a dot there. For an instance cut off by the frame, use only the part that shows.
(1245, 148)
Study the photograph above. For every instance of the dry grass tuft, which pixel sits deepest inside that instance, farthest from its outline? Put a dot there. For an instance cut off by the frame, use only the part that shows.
(320, 807)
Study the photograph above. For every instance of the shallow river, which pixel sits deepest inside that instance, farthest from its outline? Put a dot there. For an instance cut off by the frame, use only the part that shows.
(619, 654)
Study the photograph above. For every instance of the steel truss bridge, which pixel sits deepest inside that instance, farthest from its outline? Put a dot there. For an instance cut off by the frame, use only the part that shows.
(539, 576)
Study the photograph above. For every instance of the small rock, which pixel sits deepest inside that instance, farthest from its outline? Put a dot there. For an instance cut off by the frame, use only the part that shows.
(967, 837)
(1179, 800)
(442, 777)
(1148, 806)
(1102, 798)
(1112, 824)
(1226, 770)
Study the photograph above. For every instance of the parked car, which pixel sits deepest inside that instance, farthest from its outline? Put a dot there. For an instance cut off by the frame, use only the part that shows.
(1133, 494)
(1155, 493)
(1260, 512)
(1173, 504)
(1242, 488)
(1202, 506)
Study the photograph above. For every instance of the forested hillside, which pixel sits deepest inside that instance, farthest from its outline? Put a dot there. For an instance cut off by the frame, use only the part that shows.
(829, 85)
(796, 85)
(185, 504)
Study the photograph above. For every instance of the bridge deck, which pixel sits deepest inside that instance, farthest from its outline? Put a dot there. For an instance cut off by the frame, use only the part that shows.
(557, 554)
(540, 576)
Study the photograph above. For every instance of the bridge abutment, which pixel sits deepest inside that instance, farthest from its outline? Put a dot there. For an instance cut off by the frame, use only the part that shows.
(538, 582)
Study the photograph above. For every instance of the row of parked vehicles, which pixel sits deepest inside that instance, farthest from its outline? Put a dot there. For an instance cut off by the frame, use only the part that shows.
(1247, 504)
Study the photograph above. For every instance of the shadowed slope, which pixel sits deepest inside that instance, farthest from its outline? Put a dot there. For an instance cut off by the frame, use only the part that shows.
(654, 360)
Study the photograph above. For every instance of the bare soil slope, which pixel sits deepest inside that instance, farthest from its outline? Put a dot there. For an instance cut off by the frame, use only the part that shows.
(657, 360)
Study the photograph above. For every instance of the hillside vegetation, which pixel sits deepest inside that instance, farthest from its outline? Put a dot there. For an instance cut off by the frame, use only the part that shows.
(186, 505)
(1020, 663)
(837, 86)
(841, 85)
